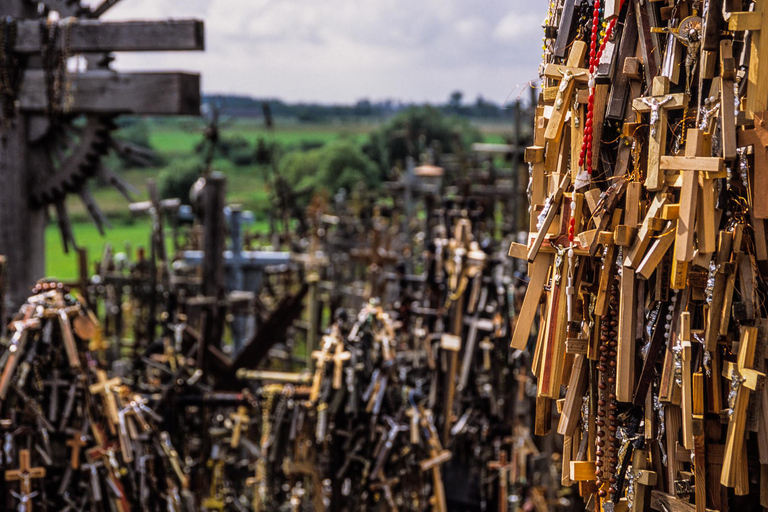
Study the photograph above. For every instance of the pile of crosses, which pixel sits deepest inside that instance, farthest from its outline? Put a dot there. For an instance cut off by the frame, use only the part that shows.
(647, 251)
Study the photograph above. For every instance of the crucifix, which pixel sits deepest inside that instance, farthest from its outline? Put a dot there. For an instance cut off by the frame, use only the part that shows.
(502, 466)
(568, 76)
(25, 474)
(35, 176)
(658, 104)
(757, 137)
(744, 378)
(76, 443)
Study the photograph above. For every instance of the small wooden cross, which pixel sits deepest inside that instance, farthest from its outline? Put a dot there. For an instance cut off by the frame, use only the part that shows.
(76, 442)
(744, 379)
(567, 76)
(386, 485)
(105, 387)
(657, 105)
(502, 466)
(241, 420)
(25, 474)
(339, 357)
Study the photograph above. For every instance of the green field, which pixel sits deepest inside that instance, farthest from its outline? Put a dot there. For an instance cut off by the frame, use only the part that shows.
(176, 139)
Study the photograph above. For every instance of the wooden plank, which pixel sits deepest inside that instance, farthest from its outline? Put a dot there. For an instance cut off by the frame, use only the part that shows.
(538, 276)
(126, 36)
(129, 93)
(657, 251)
(625, 350)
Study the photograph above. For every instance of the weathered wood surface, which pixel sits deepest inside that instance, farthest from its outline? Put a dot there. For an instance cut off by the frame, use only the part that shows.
(129, 36)
(130, 93)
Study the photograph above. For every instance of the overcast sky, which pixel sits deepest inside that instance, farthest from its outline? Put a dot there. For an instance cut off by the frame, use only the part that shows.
(345, 50)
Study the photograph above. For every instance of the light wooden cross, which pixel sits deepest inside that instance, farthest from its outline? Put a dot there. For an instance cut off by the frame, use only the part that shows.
(94, 91)
(567, 76)
(757, 81)
(25, 474)
(744, 379)
(658, 104)
(693, 167)
(105, 388)
(339, 356)
(642, 479)
(241, 419)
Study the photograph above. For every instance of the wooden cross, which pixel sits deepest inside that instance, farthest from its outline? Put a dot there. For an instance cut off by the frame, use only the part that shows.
(643, 478)
(757, 81)
(241, 420)
(76, 442)
(502, 466)
(744, 379)
(567, 76)
(322, 356)
(105, 387)
(93, 92)
(691, 166)
(25, 474)
(339, 357)
(658, 104)
(758, 139)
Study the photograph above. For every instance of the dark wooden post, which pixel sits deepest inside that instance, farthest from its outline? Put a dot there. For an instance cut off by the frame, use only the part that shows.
(214, 232)
(22, 229)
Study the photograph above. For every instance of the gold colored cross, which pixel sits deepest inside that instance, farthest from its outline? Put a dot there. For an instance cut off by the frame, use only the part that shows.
(241, 420)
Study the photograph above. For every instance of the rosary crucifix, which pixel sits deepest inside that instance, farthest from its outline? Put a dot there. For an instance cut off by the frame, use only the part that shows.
(568, 75)
(655, 105)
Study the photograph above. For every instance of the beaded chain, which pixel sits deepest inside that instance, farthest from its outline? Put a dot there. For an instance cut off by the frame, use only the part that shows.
(605, 454)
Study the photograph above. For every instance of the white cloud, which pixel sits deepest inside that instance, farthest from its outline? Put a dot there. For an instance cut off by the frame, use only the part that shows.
(342, 50)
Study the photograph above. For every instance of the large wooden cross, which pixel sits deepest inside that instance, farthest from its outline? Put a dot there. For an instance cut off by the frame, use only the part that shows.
(657, 105)
(93, 92)
(757, 81)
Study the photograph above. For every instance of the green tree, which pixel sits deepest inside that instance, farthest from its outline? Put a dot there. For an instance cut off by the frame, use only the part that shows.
(335, 165)
(412, 131)
(177, 179)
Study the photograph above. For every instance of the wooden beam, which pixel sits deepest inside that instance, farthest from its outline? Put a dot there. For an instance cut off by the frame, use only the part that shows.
(87, 36)
(130, 93)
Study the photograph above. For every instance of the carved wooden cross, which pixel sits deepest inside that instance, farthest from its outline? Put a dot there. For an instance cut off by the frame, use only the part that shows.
(744, 379)
(240, 419)
(29, 174)
(105, 387)
(25, 474)
(322, 356)
(567, 76)
(657, 105)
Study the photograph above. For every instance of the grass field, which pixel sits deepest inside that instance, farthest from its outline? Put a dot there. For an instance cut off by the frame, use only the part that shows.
(177, 139)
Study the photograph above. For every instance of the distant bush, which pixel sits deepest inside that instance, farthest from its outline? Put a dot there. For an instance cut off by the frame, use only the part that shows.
(413, 131)
(177, 179)
(241, 157)
(335, 165)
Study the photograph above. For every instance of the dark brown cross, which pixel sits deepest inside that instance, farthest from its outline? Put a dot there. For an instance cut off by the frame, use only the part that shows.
(502, 466)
